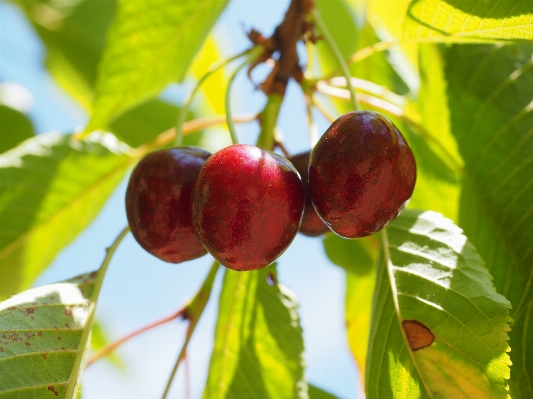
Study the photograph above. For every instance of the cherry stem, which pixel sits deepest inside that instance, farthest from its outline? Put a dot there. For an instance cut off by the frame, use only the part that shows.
(107, 349)
(187, 377)
(269, 118)
(322, 108)
(193, 313)
(189, 127)
(283, 149)
(92, 308)
(182, 115)
(340, 60)
(313, 129)
(252, 55)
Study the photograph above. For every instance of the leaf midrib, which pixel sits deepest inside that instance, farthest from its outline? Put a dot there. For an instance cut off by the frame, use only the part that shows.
(389, 265)
(21, 389)
(29, 354)
(14, 245)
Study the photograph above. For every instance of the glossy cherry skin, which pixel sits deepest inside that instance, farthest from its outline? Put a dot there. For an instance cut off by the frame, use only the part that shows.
(247, 206)
(158, 203)
(361, 174)
(312, 225)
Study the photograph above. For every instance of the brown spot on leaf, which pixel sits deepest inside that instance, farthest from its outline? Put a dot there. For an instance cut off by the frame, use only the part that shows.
(51, 388)
(68, 312)
(418, 335)
(30, 310)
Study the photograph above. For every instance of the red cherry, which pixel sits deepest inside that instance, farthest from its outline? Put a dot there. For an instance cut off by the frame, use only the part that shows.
(361, 174)
(158, 203)
(247, 206)
(312, 225)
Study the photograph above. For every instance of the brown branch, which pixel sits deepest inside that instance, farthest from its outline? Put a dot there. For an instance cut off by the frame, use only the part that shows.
(293, 27)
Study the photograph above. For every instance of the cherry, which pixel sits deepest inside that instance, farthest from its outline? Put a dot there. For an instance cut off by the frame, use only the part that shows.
(158, 203)
(361, 174)
(312, 225)
(247, 206)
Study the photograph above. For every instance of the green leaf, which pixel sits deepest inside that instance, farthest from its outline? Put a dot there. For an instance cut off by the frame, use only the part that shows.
(380, 68)
(143, 123)
(14, 129)
(99, 339)
(358, 299)
(73, 33)
(150, 44)
(469, 20)
(51, 187)
(317, 393)
(214, 88)
(439, 329)
(437, 184)
(258, 340)
(433, 104)
(489, 91)
(354, 256)
(41, 336)
(388, 19)
(341, 21)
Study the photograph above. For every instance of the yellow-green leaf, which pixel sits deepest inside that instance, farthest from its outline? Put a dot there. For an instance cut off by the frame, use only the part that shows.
(469, 20)
(258, 340)
(51, 187)
(151, 43)
(489, 94)
(439, 329)
(41, 336)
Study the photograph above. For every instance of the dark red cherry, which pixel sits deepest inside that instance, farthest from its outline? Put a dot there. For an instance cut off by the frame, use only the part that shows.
(312, 225)
(247, 206)
(361, 174)
(158, 203)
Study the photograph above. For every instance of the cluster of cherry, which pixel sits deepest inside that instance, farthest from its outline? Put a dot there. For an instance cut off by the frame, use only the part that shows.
(245, 205)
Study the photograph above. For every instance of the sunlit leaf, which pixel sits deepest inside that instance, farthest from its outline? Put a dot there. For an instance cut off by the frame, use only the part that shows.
(469, 20)
(489, 92)
(434, 107)
(349, 37)
(214, 88)
(51, 188)
(73, 33)
(99, 338)
(41, 339)
(258, 340)
(439, 329)
(150, 44)
(144, 122)
(354, 256)
(388, 18)
(15, 128)
(357, 257)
